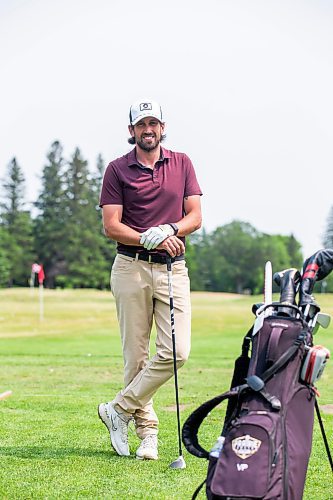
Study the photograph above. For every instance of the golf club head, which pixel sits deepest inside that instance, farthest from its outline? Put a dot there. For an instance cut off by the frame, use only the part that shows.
(310, 311)
(321, 319)
(178, 464)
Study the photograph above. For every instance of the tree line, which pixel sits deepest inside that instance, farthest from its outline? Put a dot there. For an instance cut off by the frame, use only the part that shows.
(62, 230)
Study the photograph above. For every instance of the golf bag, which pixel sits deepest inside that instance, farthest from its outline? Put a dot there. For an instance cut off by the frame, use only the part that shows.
(266, 439)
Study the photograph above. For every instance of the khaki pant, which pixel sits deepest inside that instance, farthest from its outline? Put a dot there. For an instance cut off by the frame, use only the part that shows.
(141, 293)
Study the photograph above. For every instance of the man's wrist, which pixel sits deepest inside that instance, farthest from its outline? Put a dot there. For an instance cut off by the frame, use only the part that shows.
(174, 227)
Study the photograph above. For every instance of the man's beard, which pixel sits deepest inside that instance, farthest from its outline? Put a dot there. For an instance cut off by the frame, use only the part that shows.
(148, 147)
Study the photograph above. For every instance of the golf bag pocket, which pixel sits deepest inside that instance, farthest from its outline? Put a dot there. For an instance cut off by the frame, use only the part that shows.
(250, 463)
(210, 474)
(314, 364)
(298, 439)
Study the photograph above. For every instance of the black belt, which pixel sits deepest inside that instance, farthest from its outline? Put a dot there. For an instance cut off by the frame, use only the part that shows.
(154, 258)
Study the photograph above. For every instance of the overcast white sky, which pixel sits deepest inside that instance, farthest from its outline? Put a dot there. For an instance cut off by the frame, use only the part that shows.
(246, 88)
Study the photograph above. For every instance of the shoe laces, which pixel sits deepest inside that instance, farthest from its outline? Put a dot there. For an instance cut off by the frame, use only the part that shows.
(149, 441)
(124, 424)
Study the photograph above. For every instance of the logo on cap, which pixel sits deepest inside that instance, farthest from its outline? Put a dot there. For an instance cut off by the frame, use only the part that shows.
(144, 106)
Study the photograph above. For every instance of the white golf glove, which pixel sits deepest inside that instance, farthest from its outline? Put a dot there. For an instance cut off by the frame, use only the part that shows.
(154, 236)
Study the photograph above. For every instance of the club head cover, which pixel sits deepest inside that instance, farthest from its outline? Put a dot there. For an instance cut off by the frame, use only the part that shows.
(315, 268)
(288, 281)
(256, 306)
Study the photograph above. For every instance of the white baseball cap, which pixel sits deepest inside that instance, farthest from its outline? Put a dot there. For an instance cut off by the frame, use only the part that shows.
(142, 108)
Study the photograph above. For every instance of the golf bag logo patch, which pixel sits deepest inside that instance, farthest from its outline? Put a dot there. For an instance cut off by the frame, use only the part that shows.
(144, 106)
(245, 446)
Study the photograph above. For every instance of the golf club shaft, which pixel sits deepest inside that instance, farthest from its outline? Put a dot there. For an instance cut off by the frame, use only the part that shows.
(323, 433)
(173, 336)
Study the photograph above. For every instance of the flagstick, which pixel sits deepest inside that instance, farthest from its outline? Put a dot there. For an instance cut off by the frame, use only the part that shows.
(32, 282)
(41, 302)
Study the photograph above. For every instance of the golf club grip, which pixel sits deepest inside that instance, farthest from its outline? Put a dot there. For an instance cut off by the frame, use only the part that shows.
(268, 283)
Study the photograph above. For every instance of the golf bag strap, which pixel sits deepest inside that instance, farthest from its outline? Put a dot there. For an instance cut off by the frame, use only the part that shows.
(285, 357)
(247, 342)
(283, 360)
(273, 343)
(199, 488)
(271, 399)
(194, 421)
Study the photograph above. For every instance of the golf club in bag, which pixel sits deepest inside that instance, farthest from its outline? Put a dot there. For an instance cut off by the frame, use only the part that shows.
(266, 438)
(179, 463)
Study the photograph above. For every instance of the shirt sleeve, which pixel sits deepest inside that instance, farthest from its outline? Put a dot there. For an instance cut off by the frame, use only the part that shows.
(111, 192)
(191, 184)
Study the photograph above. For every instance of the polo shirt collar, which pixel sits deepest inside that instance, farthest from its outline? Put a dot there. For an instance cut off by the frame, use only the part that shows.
(131, 157)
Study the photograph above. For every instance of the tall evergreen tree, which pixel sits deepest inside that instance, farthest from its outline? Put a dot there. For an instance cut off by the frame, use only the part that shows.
(107, 247)
(85, 243)
(98, 176)
(4, 258)
(49, 227)
(13, 189)
(17, 223)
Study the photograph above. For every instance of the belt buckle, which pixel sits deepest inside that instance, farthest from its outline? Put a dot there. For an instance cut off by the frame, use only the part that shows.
(149, 259)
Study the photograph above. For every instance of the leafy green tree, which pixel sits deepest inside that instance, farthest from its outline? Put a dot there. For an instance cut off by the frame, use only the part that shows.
(18, 225)
(284, 252)
(294, 251)
(198, 260)
(232, 258)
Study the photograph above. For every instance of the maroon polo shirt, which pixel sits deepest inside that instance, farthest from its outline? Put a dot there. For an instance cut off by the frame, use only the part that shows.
(149, 197)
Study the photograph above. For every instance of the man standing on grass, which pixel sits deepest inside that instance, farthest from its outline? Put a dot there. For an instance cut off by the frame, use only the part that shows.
(151, 201)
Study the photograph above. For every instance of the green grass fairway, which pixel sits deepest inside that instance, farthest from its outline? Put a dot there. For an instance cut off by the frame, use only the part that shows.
(52, 443)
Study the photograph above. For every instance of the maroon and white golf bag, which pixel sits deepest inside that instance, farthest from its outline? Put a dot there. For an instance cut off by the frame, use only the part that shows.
(265, 443)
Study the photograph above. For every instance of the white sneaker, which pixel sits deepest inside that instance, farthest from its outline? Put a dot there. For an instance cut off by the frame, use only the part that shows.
(148, 448)
(117, 424)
